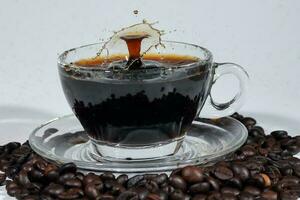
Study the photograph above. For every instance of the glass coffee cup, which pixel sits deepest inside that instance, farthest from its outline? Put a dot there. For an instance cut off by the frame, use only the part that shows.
(144, 113)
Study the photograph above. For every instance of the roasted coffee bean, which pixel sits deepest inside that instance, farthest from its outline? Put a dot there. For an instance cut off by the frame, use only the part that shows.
(201, 187)
(192, 174)
(178, 182)
(2, 179)
(107, 176)
(72, 193)
(215, 195)
(246, 196)
(223, 173)
(168, 189)
(288, 195)
(134, 180)
(117, 188)
(66, 176)
(74, 182)
(200, 197)
(162, 195)
(128, 195)
(52, 175)
(90, 177)
(79, 175)
(23, 179)
(249, 121)
(241, 171)
(122, 179)
(54, 189)
(230, 190)
(269, 195)
(9, 147)
(215, 184)
(153, 197)
(106, 197)
(280, 134)
(91, 191)
(32, 197)
(287, 171)
(248, 150)
(68, 168)
(35, 175)
(152, 186)
(141, 191)
(161, 178)
(256, 131)
(177, 195)
(235, 182)
(252, 190)
(150, 176)
(12, 171)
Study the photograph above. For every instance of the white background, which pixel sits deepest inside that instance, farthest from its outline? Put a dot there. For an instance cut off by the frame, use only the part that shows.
(261, 35)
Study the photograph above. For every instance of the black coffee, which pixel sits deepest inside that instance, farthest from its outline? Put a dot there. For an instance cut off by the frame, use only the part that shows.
(151, 104)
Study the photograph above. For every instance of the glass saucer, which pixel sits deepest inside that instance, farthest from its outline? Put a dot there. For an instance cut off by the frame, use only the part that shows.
(64, 140)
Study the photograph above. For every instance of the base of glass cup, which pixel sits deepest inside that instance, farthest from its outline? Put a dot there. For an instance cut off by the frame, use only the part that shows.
(112, 151)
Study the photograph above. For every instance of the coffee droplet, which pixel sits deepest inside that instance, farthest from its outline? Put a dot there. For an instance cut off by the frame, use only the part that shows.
(138, 39)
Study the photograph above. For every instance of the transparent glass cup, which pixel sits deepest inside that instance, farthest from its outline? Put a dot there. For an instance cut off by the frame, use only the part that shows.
(145, 113)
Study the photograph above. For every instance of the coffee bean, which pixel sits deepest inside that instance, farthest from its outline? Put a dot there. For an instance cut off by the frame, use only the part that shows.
(223, 173)
(153, 197)
(91, 191)
(235, 182)
(162, 195)
(52, 175)
(32, 197)
(215, 195)
(287, 171)
(23, 179)
(107, 176)
(106, 197)
(288, 195)
(2, 179)
(249, 122)
(9, 147)
(248, 150)
(68, 168)
(229, 197)
(269, 195)
(72, 193)
(267, 180)
(246, 196)
(128, 195)
(200, 197)
(90, 177)
(66, 176)
(161, 178)
(168, 189)
(54, 189)
(252, 190)
(74, 182)
(241, 171)
(192, 174)
(141, 191)
(134, 180)
(122, 179)
(280, 134)
(257, 131)
(35, 175)
(177, 195)
(178, 182)
(200, 187)
(213, 182)
(230, 190)
(152, 186)
(117, 188)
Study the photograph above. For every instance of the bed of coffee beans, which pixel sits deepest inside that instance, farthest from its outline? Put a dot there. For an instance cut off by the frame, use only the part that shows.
(263, 168)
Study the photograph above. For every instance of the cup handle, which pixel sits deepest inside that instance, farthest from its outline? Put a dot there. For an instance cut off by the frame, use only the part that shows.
(213, 109)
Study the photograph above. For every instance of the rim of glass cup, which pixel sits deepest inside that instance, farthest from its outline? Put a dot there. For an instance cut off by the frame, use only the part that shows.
(62, 57)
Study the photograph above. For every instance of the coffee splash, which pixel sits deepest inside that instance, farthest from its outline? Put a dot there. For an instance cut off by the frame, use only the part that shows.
(139, 39)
